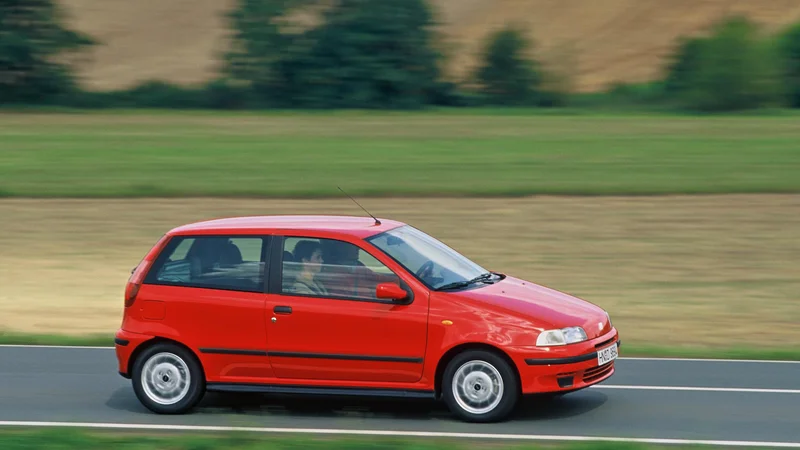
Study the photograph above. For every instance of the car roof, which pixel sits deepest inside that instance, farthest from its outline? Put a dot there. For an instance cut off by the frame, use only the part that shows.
(359, 227)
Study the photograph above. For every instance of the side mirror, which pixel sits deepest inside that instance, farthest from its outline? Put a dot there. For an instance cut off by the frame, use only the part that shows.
(391, 291)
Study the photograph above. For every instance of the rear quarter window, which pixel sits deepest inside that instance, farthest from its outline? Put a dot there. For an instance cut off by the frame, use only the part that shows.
(234, 263)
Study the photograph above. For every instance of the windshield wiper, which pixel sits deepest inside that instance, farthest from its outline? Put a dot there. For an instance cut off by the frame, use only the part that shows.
(459, 284)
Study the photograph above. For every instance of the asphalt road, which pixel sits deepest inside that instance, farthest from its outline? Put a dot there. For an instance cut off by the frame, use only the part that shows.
(652, 399)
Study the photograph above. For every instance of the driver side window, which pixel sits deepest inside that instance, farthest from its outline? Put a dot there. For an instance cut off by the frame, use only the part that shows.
(331, 268)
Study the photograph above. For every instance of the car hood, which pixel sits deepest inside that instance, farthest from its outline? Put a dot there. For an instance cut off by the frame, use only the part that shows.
(545, 308)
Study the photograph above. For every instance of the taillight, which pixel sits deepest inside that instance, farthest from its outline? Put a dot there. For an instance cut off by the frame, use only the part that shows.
(137, 275)
(130, 294)
(135, 282)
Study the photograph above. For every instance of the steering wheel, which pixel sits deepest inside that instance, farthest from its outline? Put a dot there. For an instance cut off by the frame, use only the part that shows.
(426, 269)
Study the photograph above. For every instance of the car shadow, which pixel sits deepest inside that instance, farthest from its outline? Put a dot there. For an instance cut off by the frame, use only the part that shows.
(248, 404)
(566, 406)
(317, 407)
(123, 399)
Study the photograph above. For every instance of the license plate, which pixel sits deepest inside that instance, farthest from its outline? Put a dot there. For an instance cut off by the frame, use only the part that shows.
(606, 355)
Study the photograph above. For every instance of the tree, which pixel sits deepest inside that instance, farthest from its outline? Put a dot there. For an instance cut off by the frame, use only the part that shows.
(683, 65)
(32, 44)
(505, 75)
(365, 53)
(733, 69)
(257, 44)
(790, 60)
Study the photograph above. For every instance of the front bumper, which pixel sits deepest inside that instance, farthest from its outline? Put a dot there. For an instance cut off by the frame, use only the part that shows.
(125, 343)
(564, 369)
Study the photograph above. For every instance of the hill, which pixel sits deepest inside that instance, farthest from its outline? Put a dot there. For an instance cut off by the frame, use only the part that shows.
(601, 42)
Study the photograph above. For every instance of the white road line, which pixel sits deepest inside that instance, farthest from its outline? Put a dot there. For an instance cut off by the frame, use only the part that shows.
(624, 358)
(697, 388)
(528, 437)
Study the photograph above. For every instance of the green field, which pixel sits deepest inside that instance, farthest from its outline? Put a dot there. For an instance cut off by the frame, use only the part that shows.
(718, 271)
(110, 154)
(73, 439)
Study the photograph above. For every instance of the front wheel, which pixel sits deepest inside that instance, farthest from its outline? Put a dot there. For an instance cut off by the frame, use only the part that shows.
(480, 386)
(167, 379)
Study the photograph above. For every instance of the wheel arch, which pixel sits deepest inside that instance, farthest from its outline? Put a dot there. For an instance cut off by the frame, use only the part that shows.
(460, 348)
(162, 340)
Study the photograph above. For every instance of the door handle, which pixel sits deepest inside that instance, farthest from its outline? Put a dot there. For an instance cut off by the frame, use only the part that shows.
(282, 310)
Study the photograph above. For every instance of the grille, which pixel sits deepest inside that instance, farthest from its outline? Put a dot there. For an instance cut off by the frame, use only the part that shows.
(596, 373)
(604, 343)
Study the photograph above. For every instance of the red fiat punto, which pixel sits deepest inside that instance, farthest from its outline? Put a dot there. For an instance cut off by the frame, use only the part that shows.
(347, 306)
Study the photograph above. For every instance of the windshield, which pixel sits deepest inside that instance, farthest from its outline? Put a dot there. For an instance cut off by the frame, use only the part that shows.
(433, 262)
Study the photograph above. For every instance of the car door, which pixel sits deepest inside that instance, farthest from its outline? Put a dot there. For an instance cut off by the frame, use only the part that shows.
(325, 322)
(209, 293)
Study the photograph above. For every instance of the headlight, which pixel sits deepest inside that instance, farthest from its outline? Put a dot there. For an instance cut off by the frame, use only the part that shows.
(609, 319)
(563, 336)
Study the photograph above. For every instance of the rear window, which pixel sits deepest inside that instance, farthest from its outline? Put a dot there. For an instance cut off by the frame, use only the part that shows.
(233, 263)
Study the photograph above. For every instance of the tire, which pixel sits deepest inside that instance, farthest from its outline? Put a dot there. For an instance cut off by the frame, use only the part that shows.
(462, 372)
(174, 362)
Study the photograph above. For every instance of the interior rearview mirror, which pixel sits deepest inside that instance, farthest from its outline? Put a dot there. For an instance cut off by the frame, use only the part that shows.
(391, 291)
(394, 240)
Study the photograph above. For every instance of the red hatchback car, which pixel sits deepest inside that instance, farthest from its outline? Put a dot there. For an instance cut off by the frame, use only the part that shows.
(347, 306)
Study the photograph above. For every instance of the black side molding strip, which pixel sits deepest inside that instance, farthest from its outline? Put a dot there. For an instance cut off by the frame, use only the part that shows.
(121, 342)
(233, 351)
(401, 359)
(568, 360)
(312, 390)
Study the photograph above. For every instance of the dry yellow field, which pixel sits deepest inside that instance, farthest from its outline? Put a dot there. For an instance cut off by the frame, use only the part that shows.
(599, 42)
(703, 270)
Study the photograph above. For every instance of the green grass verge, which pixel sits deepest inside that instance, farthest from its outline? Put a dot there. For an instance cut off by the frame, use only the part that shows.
(627, 349)
(464, 153)
(77, 439)
(93, 340)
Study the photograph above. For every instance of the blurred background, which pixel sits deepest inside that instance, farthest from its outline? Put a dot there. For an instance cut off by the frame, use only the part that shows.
(643, 155)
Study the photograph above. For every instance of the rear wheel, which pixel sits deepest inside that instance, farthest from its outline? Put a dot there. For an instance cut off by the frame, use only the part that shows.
(480, 386)
(168, 379)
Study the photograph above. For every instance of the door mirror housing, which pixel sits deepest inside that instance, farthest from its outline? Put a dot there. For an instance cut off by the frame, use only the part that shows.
(391, 291)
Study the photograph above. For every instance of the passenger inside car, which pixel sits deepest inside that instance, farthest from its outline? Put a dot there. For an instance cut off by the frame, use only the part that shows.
(309, 254)
(338, 273)
(345, 274)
